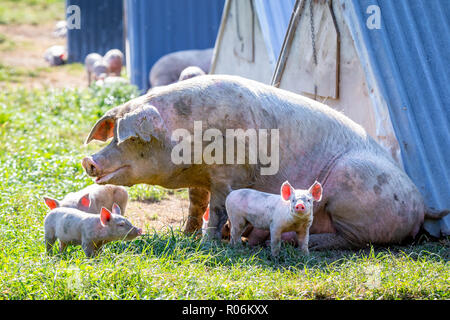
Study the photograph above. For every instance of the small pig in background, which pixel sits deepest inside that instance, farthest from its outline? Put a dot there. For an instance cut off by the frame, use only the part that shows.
(89, 62)
(114, 60)
(100, 70)
(56, 55)
(72, 226)
(191, 72)
(290, 211)
(92, 198)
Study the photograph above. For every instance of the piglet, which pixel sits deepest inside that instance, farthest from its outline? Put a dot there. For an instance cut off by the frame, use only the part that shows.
(92, 198)
(89, 62)
(292, 211)
(114, 61)
(191, 72)
(72, 226)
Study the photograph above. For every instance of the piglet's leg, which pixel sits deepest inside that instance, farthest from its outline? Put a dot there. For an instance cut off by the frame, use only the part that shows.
(49, 242)
(303, 240)
(62, 246)
(88, 248)
(275, 240)
(238, 225)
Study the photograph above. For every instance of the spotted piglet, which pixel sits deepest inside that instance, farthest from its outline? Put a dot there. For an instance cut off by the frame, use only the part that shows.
(91, 231)
(290, 211)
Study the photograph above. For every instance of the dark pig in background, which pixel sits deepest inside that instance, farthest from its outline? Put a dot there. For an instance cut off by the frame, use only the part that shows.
(168, 68)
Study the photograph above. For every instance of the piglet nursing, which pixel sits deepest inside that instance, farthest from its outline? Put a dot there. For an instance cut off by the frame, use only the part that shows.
(292, 211)
(72, 226)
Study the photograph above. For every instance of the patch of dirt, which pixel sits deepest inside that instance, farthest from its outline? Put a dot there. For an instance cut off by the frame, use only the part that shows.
(26, 47)
(169, 212)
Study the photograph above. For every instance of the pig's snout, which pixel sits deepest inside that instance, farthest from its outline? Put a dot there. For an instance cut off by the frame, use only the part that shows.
(91, 167)
(300, 207)
(139, 231)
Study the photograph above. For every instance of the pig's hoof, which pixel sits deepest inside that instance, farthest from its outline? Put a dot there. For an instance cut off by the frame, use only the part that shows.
(193, 225)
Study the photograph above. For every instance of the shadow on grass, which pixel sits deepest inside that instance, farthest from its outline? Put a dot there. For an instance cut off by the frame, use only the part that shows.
(173, 245)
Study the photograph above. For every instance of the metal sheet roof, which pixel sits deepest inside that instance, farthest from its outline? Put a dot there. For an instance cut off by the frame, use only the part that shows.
(101, 28)
(158, 27)
(273, 16)
(408, 60)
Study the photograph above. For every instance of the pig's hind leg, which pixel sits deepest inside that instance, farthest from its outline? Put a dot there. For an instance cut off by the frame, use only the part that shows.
(328, 241)
(238, 225)
(370, 201)
(50, 240)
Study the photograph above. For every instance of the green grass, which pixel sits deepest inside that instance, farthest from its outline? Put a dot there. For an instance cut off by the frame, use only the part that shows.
(41, 146)
(31, 11)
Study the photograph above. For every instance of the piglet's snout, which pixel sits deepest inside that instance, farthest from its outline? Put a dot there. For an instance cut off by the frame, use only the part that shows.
(91, 167)
(300, 207)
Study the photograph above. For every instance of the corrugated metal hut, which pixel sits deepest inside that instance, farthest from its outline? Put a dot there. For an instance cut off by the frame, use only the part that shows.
(250, 38)
(101, 28)
(158, 27)
(386, 65)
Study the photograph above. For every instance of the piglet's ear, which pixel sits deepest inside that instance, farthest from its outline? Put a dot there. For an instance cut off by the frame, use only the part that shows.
(316, 191)
(206, 215)
(116, 209)
(51, 203)
(105, 216)
(286, 191)
(84, 202)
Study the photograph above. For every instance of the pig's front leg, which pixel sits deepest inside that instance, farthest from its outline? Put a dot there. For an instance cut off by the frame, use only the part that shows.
(62, 246)
(303, 240)
(88, 247)
(275, 240)
(198, 203)
(217, 212)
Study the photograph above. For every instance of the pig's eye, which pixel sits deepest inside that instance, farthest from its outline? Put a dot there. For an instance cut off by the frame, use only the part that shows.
(121, 224)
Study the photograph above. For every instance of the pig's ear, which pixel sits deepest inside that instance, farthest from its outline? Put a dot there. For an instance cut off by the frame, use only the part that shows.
(105, 216)
(102, 130)
(206, 214)
(51, 203)
(143, 123)
(316, 191)
(84, 203)
(287, 191)
(116, 209)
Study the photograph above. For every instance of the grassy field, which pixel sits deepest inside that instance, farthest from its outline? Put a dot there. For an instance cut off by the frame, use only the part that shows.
(41, 135)
(42, 131)
(30, 11)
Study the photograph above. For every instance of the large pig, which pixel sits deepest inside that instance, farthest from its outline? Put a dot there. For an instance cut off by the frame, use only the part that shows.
(367, 197)
(168, 68)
